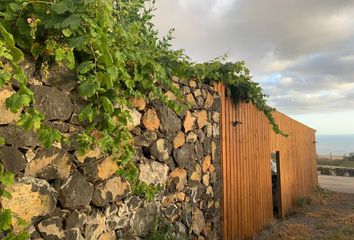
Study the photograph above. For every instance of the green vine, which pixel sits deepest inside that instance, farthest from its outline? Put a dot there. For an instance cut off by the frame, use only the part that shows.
(116, 52)
(237, 78)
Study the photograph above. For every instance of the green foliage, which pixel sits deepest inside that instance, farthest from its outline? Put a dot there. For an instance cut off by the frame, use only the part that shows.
(145, 190)
(5, 219)
(20, 236)
(2, 141)
(321, 190)
(131, 172)
(237, 78)
(48, 136)
(15, 54)
(158, 235)
(6, 179)
(163, 231)
(303, 201)
(30, 120)
(117, 55)
(346, 161)
(349, 157)
(17, 101)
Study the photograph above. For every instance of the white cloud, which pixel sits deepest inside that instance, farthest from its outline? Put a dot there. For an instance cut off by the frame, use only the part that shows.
(301, 51)
(207, 7)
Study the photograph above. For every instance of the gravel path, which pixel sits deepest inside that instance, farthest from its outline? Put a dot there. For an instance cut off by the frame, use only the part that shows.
(337, 183)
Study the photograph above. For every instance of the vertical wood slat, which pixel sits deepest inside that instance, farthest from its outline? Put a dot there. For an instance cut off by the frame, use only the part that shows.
(246, 178)
(233, 167)
(298, 160)
(229, 183)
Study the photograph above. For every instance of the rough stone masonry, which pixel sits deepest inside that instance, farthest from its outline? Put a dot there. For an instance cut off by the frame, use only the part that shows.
(66, 196)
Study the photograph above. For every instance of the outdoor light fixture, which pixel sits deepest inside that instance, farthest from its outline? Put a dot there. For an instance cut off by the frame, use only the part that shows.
(235, 123)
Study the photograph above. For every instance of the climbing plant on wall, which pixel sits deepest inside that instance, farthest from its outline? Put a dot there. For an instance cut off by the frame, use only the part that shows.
(116, 52)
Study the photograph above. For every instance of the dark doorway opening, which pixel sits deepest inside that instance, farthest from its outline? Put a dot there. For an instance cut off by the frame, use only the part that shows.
(276, 187)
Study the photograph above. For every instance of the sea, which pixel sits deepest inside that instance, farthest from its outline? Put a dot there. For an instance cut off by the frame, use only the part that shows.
(335, 144)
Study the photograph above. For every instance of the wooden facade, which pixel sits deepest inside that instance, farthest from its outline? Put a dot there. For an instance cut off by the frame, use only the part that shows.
(247, 141)
(298, 164)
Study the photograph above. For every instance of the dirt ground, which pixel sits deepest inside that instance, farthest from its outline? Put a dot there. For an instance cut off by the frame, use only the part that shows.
(337, 183)
(324, 215)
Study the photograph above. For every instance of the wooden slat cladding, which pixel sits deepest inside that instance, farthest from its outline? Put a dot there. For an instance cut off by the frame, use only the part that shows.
(247, 204)
(297, 160)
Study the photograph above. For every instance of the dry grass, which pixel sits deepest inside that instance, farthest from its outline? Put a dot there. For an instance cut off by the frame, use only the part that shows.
(348, 220)
(296, 231)
(324, 215)
(330, 213)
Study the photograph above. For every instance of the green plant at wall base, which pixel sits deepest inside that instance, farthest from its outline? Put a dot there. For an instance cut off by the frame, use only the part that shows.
(157, 235)
(115, 50)
(303, 201)
(163, 231)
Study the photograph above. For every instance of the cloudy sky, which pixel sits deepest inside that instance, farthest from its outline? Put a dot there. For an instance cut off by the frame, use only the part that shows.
(302, 52)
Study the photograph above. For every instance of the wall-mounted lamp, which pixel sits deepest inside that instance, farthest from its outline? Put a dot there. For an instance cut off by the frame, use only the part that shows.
(235, 123)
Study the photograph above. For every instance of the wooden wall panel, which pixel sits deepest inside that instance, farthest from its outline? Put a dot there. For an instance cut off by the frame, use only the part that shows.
(297, 159)
(246, 177)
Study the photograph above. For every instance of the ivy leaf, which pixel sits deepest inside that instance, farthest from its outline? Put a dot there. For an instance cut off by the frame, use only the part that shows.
(23, 236)
(87, 113)
(7, 178)
(5, 219)
(22, 79)
(21, 222)
(48, 136)
(4, 77)
(17, 101)
(85, 67)
(70, 59)
(30, 121)
(15, 6)
(9, 39)
(7, 16)
(66, 32)
(5, 194)
(107, 104)
(88, 88)
(36, 50)
(15, 52)
(54, 22)
(110, 123)
(63, 6)
(72, 21)
(59, 54)
(2, 141)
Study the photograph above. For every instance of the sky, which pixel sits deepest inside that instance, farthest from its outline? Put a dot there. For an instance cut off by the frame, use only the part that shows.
(301, 52)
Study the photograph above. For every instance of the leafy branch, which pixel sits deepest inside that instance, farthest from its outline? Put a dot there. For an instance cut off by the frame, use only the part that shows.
(115, 50)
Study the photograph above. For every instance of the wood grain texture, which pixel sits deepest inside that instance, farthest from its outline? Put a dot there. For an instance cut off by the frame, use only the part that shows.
(247, 204)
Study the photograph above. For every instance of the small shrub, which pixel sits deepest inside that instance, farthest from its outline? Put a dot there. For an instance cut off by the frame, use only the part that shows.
(350, 157)
(303, 201)
(156, 235)
(163, 230)
(321, 190)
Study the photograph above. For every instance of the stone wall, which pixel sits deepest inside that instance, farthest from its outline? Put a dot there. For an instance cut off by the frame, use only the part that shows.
(335, 171)
(67, 196)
